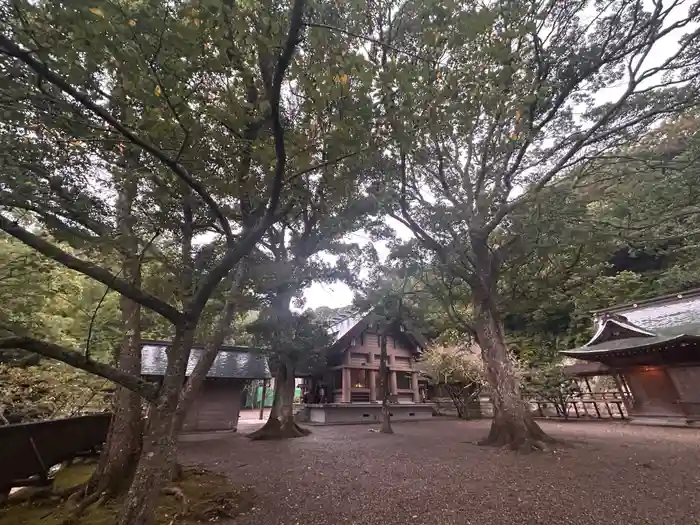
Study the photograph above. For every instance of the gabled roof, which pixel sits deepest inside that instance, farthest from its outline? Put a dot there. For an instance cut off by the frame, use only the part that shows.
(348, 329)
(232, 362)
(630, 346)
(616, 327)
(672, 312)
(651, 325)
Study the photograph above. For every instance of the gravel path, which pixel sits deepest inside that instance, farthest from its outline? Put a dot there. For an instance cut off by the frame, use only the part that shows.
(432, 473)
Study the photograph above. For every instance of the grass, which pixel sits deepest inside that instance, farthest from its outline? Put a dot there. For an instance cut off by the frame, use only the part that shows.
(210, 497)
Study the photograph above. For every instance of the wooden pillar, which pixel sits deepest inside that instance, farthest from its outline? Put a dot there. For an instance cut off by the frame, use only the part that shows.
(372, 377)
(590, 391)
(414, 387)
(623, 395)
(346, 386)
(262, 398)
(392, 375)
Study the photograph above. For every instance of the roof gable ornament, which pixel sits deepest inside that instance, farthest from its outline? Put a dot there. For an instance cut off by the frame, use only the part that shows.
(613, 326)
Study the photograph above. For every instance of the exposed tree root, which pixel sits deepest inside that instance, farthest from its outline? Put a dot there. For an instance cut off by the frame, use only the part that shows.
(174, 491)
(96, 498)
(273, 430)
(525, 436)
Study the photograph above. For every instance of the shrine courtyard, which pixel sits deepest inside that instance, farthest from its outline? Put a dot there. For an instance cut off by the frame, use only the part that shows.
(432, 473)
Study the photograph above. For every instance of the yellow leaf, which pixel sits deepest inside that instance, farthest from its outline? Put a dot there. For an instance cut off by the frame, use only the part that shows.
(341, 79)
(132, 22)
(438, 74)
(97, 12)
(517, 115)
(158, 91)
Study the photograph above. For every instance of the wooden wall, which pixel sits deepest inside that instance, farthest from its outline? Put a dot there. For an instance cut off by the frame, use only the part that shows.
(216, 407)
(368, 343)
(687, 382)
(653, 391)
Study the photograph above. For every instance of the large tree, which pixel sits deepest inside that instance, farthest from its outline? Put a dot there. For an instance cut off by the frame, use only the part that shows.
(499, 102)
(170, 85)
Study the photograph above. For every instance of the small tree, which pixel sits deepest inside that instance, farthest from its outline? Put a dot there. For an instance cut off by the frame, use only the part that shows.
(458, 371)
(549, 383)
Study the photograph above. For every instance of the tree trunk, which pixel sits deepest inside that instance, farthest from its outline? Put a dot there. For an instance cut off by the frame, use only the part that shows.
(158, 454)
(121, 452)
(280, 424)
(513, 425)
(384, 381)
(221, 332)
(457, 395)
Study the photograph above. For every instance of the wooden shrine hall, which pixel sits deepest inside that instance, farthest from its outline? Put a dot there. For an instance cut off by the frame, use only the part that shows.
(349, 388)
(653, 348)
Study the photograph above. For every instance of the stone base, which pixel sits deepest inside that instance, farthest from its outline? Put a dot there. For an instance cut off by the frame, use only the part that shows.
(663, 421)
(358, 413)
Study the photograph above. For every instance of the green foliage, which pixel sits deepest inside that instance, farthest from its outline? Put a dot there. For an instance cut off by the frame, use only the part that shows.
(548, 382)
(295, 339)
(50, 390)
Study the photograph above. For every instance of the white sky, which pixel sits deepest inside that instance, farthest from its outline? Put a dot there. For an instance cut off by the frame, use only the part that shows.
(339, 294)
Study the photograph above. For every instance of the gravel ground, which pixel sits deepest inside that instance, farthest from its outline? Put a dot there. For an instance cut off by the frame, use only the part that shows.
(433, 473)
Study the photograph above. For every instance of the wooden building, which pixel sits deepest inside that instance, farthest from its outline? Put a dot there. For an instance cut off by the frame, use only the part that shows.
(349, 389)
(652, 349)
(218, 404)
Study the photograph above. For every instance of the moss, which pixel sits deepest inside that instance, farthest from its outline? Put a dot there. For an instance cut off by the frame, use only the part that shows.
(210, 497)
(72, 476)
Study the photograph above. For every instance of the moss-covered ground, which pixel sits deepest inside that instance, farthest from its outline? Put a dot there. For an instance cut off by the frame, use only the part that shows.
(210, 498)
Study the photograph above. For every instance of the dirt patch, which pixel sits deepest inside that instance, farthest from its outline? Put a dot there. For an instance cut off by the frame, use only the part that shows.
(211, 497)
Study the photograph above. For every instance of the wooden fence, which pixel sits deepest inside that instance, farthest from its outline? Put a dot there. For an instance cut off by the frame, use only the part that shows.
(593, 405)
(29, 450)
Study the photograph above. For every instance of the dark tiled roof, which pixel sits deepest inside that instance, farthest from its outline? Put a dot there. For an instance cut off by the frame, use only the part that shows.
(672, 320)
(617, 346)
(678, 315)
(233, 362)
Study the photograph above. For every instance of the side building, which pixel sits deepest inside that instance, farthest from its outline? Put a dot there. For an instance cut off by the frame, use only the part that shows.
(652, 349)
(218, 404)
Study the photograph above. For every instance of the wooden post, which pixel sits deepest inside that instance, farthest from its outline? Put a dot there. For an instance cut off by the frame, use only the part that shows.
(580, 397)
(590, 391)
(372, 386)
(392, 375)
(346, 386)
(414, 387)
(262, 398)
(623, 394)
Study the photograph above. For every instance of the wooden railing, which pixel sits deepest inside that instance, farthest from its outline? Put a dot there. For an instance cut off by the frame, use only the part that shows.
(598, 405)
(29, 450)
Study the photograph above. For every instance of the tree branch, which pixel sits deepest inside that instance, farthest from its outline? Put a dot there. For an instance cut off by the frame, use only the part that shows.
(252, 236)
(75, 359)
(9, 48)
(89, 269)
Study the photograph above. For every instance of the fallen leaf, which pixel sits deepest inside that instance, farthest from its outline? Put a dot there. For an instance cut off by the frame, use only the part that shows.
(97, 12)
(157, 91)
(132, 22)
